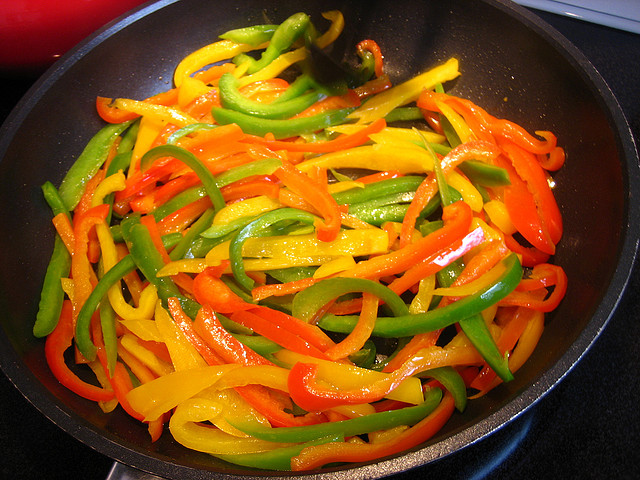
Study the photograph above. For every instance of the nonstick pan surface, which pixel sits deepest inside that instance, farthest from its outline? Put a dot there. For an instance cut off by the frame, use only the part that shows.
(512, 64)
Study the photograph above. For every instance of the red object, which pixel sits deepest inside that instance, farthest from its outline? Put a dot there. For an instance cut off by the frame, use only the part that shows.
(34, 33)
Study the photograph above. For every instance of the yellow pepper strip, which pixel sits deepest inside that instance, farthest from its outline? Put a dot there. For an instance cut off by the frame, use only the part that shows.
(235, 408)
(161, 395)
(342, 186)
(285, 60)
(379, 157)
(457, 122)
(187, 430)
(270, 376)
(148, 298)
(186, 265)
(144, 329)
(471, 287)
(490, 233)
(144, 355)
(191, 89)
(263, 264)
(157, 112)
(101, 376)
(68, 287)
(348, 242)
(469, 193)
(498, 214)
(208, 55)
(422, 300)
(381, 104)
(405, 135)
(353, 411)
(183, 355)
(340, 264)
(246, 208)
(349, 377)
(148, 131)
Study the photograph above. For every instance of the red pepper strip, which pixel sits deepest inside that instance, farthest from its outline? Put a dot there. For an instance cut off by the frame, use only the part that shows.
(114, 115)
(369, 45)
(535, 299)
(457, 220)
(531, 256)
(280, 289)
(362, 331)
(554, 161)
(527, 167)
(319, 455)
(506, 341)
(523, 211)
(480, 121)
(81, 270)
(200, 107)
(476, 149)
(317, 195)
(159, 196)
(428, 266)
(276, 333)
(222, 342)
(379, 176)
(372, 87)
(337, 102)
(250, 188)
(140, 180)
(340, 143)
(264, 91)
(210, 290)
(312, 334)
(185, 324)
(56, 344)
(183, 217)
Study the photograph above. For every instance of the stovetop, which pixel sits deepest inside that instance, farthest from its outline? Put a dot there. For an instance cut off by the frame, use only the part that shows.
(586, 427)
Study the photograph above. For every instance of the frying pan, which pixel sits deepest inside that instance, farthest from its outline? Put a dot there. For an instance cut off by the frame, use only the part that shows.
(512, 64)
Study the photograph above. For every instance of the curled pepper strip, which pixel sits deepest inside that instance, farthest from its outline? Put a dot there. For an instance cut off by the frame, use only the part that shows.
(317, 456)
(532, 293)
(58, 341)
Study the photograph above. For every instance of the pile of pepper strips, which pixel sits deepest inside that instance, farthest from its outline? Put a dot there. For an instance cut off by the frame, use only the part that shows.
(284, 271)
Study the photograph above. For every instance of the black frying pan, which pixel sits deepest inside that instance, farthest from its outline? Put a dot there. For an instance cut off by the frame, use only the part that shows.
(512, 64)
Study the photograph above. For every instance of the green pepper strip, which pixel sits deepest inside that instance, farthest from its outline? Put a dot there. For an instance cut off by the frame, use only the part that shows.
(188, 130)
(109, 335)
(353, 426)
(52, 295)
(376, 190)
(88, 163)
(379, 215)
(185, 244)
(452, 381)
(254, 35)
(309, 301)
(485, 174)
(193, 162)
(366, 356)
(409, 325)
(149, 261)
(404, 114)
(301, 84)
(277, 459)
(230, 97)
(291, 127)
(125, 266)
(256, 228)
(285, 34)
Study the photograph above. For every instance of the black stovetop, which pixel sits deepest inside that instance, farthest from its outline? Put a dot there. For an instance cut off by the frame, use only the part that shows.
(587, 427)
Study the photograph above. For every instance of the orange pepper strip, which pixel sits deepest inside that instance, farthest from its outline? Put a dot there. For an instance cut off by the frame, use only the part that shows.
(185, 324)
(112, 114)
(318, 455)
(531, 256)
(362, 331)
(81, 270)
(276, 333)
(63, 226)
(342, 142)
(222, 342)
(280, 289)
(476, 149)
(379, 176)
(210, 290)
(457, 220)
(317, 195)
(482, 122)
(56, 344)
(183, 217)
(250, 188)
(373, 86)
